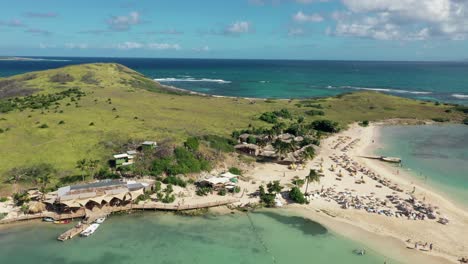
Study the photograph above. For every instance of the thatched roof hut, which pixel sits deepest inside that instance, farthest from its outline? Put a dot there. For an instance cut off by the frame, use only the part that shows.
(36, 207)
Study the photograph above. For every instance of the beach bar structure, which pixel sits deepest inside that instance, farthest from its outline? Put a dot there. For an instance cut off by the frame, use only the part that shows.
(107, 192)
(226, 180)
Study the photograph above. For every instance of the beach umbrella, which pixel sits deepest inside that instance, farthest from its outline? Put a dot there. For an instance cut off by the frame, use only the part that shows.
(36, 207)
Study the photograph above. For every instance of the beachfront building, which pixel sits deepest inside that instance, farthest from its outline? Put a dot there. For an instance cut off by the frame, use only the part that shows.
(101, 193)
(226, 180)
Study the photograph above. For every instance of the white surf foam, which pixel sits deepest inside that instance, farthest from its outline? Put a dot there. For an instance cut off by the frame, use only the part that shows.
(388, 90)
(460, 96)
(190, 79)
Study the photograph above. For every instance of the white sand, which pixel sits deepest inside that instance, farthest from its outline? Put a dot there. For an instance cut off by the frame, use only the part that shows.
(385, 233)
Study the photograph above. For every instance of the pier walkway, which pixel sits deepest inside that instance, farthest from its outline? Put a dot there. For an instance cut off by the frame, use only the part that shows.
(91, 216)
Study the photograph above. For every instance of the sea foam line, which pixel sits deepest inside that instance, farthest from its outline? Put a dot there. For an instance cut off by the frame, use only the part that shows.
(191, 80)
(388, 90)
(460, 96)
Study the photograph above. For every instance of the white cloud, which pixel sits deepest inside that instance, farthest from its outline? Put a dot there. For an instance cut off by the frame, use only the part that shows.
(121, 23)
(163, 46)
(238, 27)
(301, 17)
(76, 45)
(404, 19)
(129, 45)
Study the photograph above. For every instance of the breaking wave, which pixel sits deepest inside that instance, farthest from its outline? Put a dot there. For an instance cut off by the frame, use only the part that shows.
(388, 90)
(190, 79)
(460, 96)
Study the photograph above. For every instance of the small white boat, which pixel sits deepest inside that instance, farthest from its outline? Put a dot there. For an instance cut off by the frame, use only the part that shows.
(89, 230)
(100, 220)
(48, 219)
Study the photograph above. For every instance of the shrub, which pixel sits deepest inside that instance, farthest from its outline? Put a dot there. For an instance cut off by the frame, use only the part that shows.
(91, 124)
(222, 192)
(298, 182)
(61, 122)
(314, 112)
(192, 143)
(325, 126)
(168, 198)
(268, 199)
(297, 196)
(274, 187)
(44, 126)
(440, 119)
(364, 123)
(219, 143)
(236, 189)
(463, 109)
(235, 170)
(252, 140)
(203, 191)
(3, 199)
(174, 180)
(61, 78)
(269, 117)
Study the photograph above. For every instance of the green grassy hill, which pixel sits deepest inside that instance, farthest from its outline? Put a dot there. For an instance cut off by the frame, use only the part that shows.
(120, 104)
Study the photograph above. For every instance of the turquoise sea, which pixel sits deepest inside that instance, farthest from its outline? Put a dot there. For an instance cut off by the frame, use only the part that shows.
(436, 155)
(441, 81)
(143, 238)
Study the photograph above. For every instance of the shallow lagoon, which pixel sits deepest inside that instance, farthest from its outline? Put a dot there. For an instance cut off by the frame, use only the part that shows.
(265, 237)
(436, 155)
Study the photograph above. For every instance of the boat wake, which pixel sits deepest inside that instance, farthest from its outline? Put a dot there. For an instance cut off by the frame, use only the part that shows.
(190, 79)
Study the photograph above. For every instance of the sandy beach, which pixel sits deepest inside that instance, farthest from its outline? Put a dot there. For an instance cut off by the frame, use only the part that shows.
(382, 229)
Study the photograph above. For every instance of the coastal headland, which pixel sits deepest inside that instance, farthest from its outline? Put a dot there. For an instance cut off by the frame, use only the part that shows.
(92, 112)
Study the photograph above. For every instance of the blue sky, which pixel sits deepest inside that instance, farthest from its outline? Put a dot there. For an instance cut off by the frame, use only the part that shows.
(266, 29)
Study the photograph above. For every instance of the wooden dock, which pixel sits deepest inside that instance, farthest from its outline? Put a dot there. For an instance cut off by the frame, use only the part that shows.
(383, 158)
(91, 216)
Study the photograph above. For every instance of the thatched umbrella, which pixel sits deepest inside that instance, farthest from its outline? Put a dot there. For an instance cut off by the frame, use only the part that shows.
(36, 207)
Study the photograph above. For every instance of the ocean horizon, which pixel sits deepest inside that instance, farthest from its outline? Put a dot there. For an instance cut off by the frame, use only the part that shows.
(444, 81)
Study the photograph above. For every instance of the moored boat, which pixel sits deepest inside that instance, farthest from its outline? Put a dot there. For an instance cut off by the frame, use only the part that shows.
(100, 220)
(48, 219)
(65, 221)
(89, 230)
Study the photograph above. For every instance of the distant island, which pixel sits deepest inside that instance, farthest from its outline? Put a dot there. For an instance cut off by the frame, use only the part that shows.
(26, 59)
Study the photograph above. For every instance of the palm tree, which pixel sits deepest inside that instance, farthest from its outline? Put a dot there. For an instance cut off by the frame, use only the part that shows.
(82, 165)
(308, 153)
(92, 165)
(312, 177)
(281, 147)
(44, 179)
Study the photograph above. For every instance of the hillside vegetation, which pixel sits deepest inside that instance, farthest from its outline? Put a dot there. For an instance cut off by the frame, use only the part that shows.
(88, 111)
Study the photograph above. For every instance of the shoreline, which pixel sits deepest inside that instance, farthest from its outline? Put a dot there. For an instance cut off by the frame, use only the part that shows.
(412, 176)
(380, 228)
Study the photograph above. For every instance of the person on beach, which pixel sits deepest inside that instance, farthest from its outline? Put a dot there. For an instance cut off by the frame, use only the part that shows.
(430, 247)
